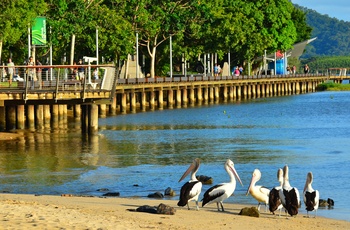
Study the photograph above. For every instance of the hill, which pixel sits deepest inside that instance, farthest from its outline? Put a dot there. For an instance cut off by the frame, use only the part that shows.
(332, 35)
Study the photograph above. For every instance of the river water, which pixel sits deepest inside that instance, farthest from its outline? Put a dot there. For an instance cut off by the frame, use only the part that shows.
(139, 154)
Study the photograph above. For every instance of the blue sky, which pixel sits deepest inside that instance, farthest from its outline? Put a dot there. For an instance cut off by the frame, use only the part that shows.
(339, 9)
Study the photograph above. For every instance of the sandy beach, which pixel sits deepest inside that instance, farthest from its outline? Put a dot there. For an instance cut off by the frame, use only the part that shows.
(64, 212)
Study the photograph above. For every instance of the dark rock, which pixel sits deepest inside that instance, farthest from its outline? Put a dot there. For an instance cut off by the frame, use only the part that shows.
(169, 192)
(165, 209)
(102, 190)
(205, 179)
(111, 194)
(136, 185)
(147, 208)
(253, 211)
(330, 202)
(156, 195)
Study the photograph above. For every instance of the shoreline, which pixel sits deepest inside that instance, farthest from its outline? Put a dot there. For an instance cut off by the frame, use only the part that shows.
(26, 211)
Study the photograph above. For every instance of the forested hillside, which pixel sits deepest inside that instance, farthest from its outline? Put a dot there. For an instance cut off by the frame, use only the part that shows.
(332, 35)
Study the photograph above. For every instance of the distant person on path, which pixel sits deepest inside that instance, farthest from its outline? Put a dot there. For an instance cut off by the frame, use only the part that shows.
(237, 72)
(216, 70)
(38, 72)
(219, 70)
(306, 69)
(240, 69)
(294, 69)
(81, 70)
(10, 70)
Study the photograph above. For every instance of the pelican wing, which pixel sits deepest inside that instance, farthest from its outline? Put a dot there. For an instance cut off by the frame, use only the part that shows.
(264, 190)
(212, 193)
(274, 200)
(188, 191)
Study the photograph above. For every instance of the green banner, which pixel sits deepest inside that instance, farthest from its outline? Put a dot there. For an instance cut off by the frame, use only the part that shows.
(39, 32)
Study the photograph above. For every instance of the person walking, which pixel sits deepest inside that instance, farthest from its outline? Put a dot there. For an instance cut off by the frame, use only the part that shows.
(10, 71)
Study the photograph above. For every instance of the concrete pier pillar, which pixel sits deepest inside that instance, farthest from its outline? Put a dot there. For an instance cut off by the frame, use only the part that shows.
(231, 93)
(133, 102)
(258, 93)
(123, 103)
(11, 117)
(262, 90)
(143, 101)
(93, 118)
(152, 98)
(239, 94)
(249, 91)
(30, 117)
(192, 98)
(170, 99)
(184, 98)
(47, 116)
(178, 98)
(39, 116)
(161, 99)
(206, 95)
(77, 111)
(54, 116)
(275, 91)
(211, 94)
(224, 93)
(234, 91)
(20, 117)
(113, 106)
(297, 87)
(2, 116)
(254, 91)
(199, 95)
(267, 90)
(245, 91)
(217, 94)
(102, 110)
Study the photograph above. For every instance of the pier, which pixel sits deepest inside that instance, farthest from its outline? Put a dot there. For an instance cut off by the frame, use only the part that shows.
(50, 104)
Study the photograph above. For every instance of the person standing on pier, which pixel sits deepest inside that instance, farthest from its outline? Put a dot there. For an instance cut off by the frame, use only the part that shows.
(81, 70)
(306, 69)
(38, 73)
(31, 71)
(10, 70)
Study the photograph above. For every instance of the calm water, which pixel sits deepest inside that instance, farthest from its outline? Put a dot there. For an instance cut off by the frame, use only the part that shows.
(308, 132)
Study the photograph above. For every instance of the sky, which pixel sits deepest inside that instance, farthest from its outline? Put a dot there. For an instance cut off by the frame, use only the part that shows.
(339, 9)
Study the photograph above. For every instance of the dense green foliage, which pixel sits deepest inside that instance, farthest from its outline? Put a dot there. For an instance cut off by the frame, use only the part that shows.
(322, 63)
(245, 28)
(331, 86)
(332, 35)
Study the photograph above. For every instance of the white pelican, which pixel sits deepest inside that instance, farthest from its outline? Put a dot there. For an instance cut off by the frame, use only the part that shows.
(260, 193)
(191, 189)
(221, 192)
(311, 196)
(289, 195)
(274, 196)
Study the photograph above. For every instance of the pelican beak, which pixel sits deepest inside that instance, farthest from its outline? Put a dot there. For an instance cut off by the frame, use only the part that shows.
(187, 171)
(250, 185)
(236, 174)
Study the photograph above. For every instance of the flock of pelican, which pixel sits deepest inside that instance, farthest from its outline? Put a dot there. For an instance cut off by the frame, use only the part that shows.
(283, 196)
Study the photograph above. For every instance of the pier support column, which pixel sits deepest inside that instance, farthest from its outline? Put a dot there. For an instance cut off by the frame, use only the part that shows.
(123, 103)
(184, 97)
(11, 117)
(47, 116)
(245, 92)
(239, 95)
(178, 98)
(151, 100)
(192, 98)
(160, 99)
(39, 114)
(249, 91)
(267, 90)
(254, 91)
(113, 106)
(258, 93)
(199, 96)
(133, 102)
(102, 110)
(211, 94)
(262, 90)
(225, 90)
(297, 87)
(30, 117)
(21, 117)
(2, 116)
(206, 95)
(275, 91)
(170, 98)
(93, 118)
(77, 112)
(143, 101)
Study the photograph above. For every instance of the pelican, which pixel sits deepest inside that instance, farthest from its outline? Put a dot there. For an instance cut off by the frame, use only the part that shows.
(311, 196)
(274, 197)
(191, 189)
(260, 193)
(221, 192)
(289, 195)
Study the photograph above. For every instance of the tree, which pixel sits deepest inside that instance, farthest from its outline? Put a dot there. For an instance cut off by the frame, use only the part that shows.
(16, 16)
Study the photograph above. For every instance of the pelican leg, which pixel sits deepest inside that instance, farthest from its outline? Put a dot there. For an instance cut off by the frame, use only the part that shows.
(197, 205)
(217, 205)
(259, 206)
(222, 206)
(188, 206)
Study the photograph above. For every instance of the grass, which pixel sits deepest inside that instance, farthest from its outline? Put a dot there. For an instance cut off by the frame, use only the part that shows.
(331, 86)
